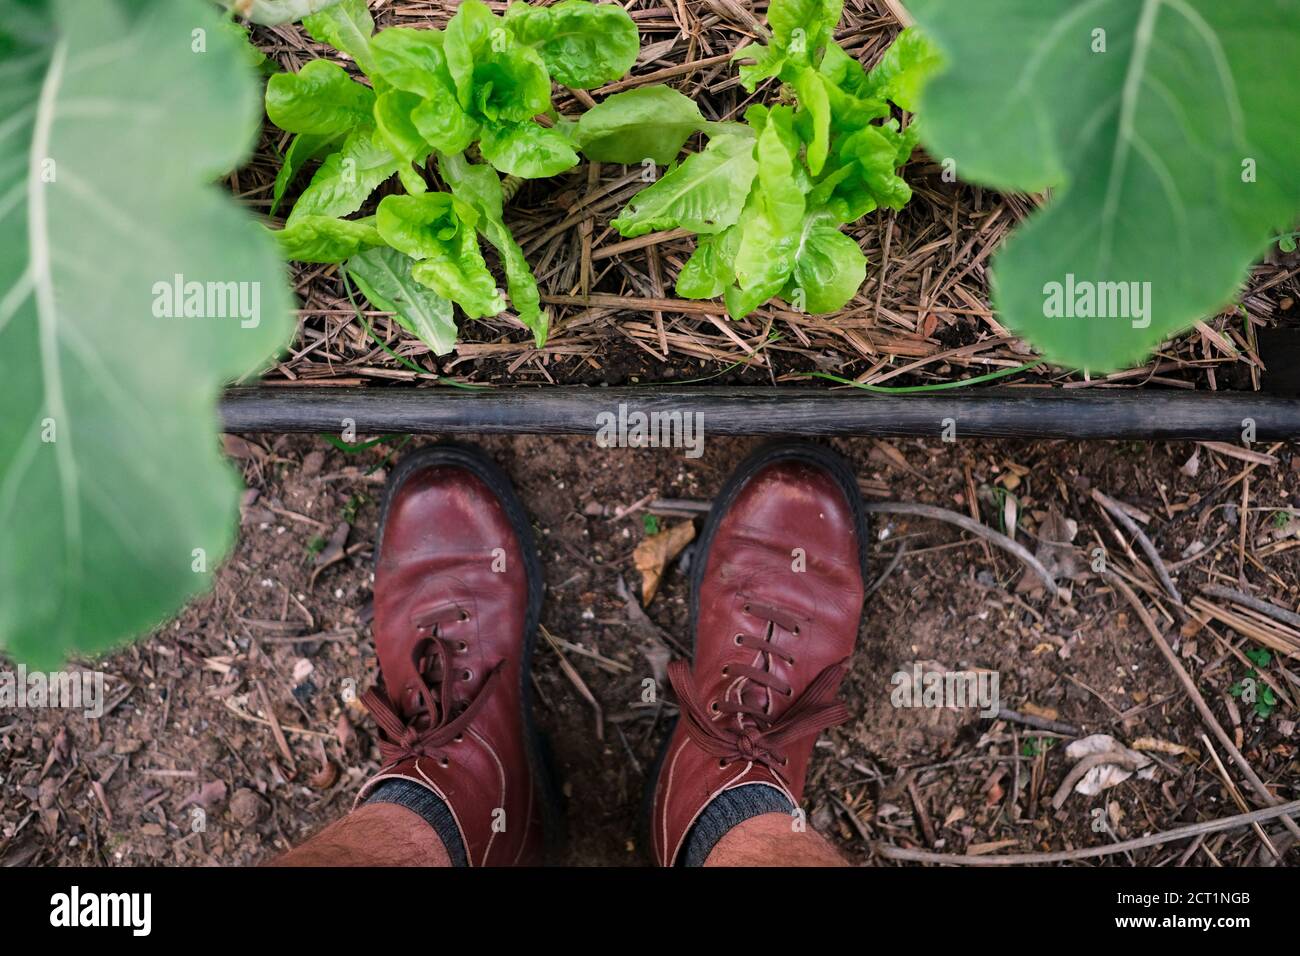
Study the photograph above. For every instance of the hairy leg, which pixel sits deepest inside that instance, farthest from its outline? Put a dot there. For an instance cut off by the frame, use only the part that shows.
(375, 834)
(769, 840)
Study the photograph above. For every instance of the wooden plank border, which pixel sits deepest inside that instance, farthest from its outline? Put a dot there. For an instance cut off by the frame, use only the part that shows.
(1004, 413)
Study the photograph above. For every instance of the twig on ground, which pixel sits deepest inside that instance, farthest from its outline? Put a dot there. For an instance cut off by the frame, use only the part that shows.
(576, 679)
(1039, 723)
(276, 732)
(1255, 604)
(969, 524)
(1284, 811)
(1114, 509)
(889, 569)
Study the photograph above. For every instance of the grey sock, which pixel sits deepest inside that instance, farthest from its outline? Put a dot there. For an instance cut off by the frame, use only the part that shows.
(427, 804)
(725, 811)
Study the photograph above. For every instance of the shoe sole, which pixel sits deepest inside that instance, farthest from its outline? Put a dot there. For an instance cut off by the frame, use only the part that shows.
(824, 458)
(540, 759)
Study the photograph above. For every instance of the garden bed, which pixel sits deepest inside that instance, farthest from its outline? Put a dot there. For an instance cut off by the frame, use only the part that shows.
(922, 317)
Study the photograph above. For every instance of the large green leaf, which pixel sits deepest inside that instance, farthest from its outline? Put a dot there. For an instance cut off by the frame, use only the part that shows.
(584, 45)
(704, 194)
(384, 277)
(651, 122)
(1167, 129)
(711, 267)
(115, 502)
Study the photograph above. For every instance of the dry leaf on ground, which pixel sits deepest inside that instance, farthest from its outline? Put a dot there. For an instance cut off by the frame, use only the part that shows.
(656, 552)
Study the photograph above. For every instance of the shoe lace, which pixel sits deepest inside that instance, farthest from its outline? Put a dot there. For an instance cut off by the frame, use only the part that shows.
(433, 727)
(756, 735)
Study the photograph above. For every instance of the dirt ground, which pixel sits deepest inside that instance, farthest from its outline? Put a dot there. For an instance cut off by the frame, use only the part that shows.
(186, 766)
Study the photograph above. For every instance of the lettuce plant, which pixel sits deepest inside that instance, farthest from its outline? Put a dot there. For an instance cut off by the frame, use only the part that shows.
(479, 87)
(768, 196)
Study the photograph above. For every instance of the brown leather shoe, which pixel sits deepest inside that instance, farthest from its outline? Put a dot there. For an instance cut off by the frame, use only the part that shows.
(458, 588)
(772, 642)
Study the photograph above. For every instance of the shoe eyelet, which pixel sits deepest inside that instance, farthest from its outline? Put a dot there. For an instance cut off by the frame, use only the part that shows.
(444, 763)
(461, 647)
(722, 763)
(795, 632)
(739, 638)
(713, 707)
(726, 670)
(746, 608)
(458, 739)
(464, 616)
(467, 674)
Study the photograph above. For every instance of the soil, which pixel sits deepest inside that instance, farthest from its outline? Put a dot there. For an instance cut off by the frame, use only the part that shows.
(185, 768)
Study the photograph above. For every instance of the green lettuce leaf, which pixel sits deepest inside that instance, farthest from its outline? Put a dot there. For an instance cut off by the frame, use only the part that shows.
(347, 178)
(437, 230)
(384, 277)
(711, 269)
(468, 38)
(527, 150)
(479, 187)
(443, 124)
(304, 148)
(346, 26)
(584, 45)
(704, 194)
(829, 268)
(411, 60)
(398, 135)
(905, 68)
(651, 122)
(771, 223)
(309, 238)
(320, 98)
(815, 107)
(801, 30)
